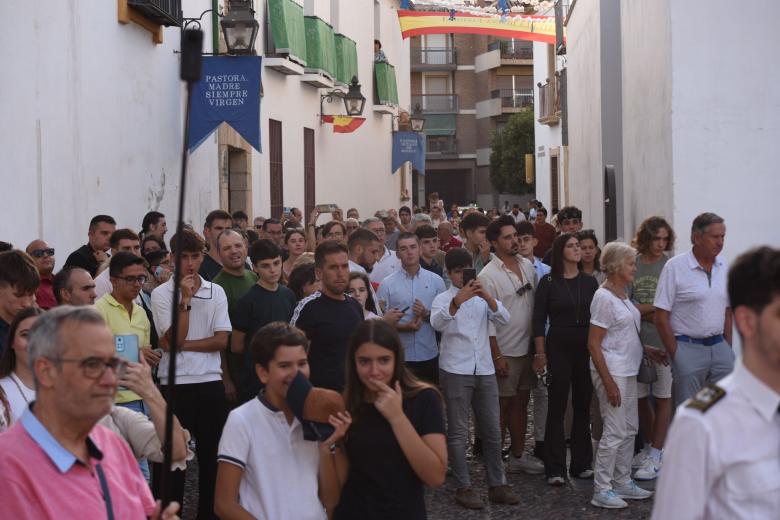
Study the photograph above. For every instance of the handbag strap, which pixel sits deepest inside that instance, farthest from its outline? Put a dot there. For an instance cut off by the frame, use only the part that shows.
(106, 493)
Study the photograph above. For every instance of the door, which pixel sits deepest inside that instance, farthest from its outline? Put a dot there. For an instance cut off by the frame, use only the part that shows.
(435, 49)
(436, 90)
(555, 203)
(308, 172)
(276, 168)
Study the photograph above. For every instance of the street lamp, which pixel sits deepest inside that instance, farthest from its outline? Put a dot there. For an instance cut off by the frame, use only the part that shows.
(240, 27)
(354, 101)
(418, 123)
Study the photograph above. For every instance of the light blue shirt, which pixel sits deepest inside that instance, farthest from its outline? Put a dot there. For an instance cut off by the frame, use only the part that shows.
(61, 457)
(541, 269)
(398, 291)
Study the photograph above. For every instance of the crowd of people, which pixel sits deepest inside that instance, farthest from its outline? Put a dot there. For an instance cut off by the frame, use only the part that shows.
(335, 369)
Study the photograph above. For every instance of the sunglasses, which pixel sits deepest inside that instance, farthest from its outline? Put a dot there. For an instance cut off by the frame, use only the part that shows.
(524, 288)
(40, 253)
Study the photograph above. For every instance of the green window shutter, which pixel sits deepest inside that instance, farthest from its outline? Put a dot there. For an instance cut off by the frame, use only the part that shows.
(287, 29)
(440, 124)
(346, 59)
(320, 46)
(386, 89)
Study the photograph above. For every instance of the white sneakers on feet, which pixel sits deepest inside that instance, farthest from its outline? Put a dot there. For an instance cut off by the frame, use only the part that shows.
(648, 470)
(639, 459)
(608, 499)
(631, 491)
(527, 463)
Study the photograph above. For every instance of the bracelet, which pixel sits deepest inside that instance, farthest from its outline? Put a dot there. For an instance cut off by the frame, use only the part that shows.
(500, 356)
(539, 354)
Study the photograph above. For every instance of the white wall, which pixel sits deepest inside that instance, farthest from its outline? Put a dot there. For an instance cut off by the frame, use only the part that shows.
(351, 170)
(647, 110)
(584, 112)
(546, 137)
(91, 119)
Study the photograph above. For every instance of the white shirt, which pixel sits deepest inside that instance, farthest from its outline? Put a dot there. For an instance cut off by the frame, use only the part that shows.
(513, 338)
(209, 314)
(621, 345)
(17, 394)
(465, 346)
(697, 304)
(355, 267)
(385, 266)
(280, 478)
(724, 462)
(519, 217)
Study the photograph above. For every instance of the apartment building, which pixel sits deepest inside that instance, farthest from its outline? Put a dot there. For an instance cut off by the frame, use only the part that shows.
(466, 87)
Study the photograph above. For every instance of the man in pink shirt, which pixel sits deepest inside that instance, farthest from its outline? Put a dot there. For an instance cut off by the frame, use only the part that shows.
(55, 462)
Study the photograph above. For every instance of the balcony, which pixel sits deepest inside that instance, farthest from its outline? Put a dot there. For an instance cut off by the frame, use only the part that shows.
(435, 104)
(441, 146)
(385, 88)
(285, 34)
(514, 100)
(162, 12)
(513, 52)
(550, 102)
(433, 58)
(320, 53)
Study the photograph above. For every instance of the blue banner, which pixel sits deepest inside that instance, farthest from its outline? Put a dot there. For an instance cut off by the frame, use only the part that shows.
(228, 91)
(409, 147)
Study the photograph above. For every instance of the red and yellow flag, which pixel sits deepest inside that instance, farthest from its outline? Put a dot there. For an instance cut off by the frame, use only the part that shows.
(344, 124)
(521, 27)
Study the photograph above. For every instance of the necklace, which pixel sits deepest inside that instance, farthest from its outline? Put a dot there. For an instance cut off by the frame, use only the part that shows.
(571, 296)
(19, 388)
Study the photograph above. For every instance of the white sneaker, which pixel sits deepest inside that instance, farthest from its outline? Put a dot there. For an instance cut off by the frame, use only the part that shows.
(525, 464)
(608, 499)
(639, 459)
(648, 471)
(631, 491)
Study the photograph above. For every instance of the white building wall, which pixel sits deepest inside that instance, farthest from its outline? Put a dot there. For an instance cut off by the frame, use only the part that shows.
(584, 112)
(91, 117)
(647, 110)
(546, 137)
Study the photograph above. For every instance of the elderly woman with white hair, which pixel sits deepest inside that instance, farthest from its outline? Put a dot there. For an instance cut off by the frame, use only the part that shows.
(616, 353)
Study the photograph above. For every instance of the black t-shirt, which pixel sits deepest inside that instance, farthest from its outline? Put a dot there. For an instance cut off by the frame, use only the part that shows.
(381, 483)
(565, 301)
(209, 268)
(83, 257)
(3, 335)
(328, 324)
(256, 308)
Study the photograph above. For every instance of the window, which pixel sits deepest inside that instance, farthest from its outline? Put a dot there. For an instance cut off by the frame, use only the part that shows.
(309, 196)
(276, 170)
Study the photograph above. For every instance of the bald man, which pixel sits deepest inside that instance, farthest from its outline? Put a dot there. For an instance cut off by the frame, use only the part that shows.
(43, 256)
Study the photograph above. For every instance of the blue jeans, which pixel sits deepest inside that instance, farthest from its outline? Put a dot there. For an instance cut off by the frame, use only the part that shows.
(139, 406)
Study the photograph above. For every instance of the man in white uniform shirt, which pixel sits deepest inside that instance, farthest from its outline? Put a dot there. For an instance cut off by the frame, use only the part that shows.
(722, 457)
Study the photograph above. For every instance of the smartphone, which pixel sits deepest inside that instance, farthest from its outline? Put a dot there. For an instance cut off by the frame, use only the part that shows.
(469, 273)
(127, 347)
(326, 208)
(287, 211)
(405, 309)
(382, 214)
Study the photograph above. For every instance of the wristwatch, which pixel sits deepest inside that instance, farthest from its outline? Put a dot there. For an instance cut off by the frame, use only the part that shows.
(185, 308)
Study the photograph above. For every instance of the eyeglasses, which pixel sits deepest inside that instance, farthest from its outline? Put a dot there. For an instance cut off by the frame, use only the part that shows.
(130, 280)
(258, 227)
(94, 367)
(39, 253)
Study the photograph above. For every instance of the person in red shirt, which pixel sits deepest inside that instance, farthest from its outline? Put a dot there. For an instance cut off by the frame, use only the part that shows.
(43, 256)
(447, 240)
(544, 232)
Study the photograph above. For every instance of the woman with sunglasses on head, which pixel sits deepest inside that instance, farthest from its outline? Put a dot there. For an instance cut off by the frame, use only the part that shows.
(396, 443)
(16, 378)
(563, 297)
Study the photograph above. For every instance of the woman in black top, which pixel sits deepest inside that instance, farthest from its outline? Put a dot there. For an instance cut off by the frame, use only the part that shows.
(564, 297)
(396, 443)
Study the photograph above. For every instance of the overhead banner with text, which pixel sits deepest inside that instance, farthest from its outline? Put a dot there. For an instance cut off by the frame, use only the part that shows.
(229, 91)
(517, 26)
(409, 147)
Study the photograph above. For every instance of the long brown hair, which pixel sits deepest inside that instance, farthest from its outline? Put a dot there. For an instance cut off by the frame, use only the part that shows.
(8, 360)
(383, 334)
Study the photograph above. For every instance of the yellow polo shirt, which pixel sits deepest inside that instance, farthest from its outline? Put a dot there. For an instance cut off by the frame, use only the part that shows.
(121, 323)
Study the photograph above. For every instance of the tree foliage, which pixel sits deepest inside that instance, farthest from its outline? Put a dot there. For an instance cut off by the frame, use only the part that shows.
(507, 156)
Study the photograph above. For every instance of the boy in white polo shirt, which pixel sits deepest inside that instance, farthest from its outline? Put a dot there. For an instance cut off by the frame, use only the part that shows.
(266, 468)
(203, 332)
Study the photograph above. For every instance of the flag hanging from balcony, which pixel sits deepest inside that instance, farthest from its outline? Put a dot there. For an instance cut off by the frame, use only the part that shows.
(229, 91)
(344, 124)
(503, 25)
(409, 147)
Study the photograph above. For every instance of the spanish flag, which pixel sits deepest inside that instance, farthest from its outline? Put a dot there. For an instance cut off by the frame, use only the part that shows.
(344, 124)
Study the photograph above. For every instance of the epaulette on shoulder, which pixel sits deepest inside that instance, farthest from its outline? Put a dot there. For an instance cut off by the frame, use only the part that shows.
(706, 398)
